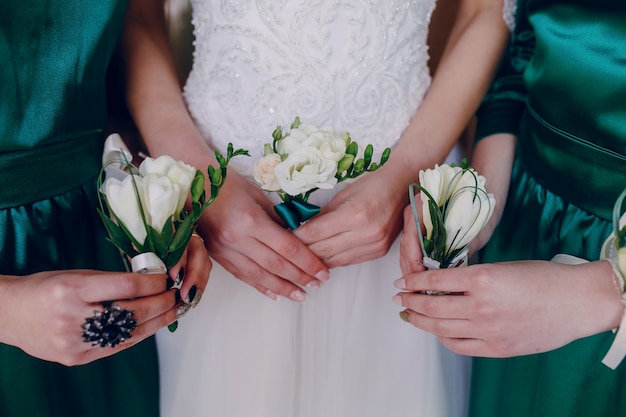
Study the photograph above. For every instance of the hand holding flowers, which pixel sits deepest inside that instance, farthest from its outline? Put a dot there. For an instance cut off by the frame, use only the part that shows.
(306, 159)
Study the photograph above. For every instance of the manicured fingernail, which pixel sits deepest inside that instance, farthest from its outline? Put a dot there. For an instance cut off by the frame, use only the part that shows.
(397, 299)
(400, 283)
(169, 283)
(298, 296)
(271, 294)
(181, 275)
(323, 275)
(191, 294)
(178, 297)
(404, 315)
(196, 299)
(182, 310)
(314, 284)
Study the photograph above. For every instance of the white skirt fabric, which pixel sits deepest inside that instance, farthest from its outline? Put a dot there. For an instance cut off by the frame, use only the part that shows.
(345, 352)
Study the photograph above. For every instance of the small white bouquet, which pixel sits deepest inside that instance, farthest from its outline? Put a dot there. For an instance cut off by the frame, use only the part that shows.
(143, 208)
(305, 159)
(455, 208)
(146, 204)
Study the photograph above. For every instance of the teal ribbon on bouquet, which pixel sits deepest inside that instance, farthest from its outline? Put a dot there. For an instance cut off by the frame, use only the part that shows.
(296, 212)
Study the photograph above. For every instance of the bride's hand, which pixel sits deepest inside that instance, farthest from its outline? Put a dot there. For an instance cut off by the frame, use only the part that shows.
(242, 233)
(360, 223)
(42, 313)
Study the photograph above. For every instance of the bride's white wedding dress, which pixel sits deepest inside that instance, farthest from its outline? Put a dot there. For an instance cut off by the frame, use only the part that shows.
(353, 65)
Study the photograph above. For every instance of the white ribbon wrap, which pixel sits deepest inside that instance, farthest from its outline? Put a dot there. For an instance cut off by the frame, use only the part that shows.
(148, 263)
(617, 351)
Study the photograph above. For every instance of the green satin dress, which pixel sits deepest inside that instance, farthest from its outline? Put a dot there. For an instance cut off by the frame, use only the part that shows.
(562, 91)
(54, 56)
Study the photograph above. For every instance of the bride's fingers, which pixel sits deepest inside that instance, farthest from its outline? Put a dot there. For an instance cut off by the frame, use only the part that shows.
(446, 328)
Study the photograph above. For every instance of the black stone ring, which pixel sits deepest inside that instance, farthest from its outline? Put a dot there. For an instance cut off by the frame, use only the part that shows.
(109, 327)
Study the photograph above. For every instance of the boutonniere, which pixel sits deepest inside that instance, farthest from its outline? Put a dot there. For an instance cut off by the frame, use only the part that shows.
(455, 208)
(305, 158)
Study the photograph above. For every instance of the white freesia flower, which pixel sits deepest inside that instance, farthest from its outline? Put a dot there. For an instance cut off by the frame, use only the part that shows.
(333, 148)
(123, 202)
(463, 205)
(305, 169)
(469, 210)
(178, 172)
(264, 172)
(159, 198)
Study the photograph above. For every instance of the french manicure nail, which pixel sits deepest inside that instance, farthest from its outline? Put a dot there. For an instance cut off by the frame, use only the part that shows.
(298, 296)
(271, 294)
(323, 275)
(400, 283)
(314, 284)
(397, 299)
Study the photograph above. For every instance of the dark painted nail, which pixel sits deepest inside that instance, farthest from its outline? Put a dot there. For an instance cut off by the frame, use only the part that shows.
(169, 283)
(178, 297)
(181, 275)
(191, 295)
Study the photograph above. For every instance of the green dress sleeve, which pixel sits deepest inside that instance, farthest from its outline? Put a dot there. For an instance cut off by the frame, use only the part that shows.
(504, 103)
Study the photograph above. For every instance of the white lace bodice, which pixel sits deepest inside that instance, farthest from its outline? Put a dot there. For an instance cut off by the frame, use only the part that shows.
(351, 65)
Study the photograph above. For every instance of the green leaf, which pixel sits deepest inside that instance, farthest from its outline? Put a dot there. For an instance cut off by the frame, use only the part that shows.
(296, 123)
(183, 234)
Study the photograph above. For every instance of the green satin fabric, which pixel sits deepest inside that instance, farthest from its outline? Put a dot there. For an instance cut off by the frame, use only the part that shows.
(570, 168)
(52, 111)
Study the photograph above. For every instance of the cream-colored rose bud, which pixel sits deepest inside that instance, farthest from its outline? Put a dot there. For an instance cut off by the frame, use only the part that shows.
(263, 172)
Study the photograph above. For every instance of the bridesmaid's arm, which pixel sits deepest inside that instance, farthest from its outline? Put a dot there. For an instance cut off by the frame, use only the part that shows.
(362, 221)
(240, 228)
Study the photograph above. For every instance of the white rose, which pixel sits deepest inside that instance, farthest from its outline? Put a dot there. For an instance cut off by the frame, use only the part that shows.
(264, 172)
(122, 201)
(305, 169)
(178, 172)
(333, 148)
(302, 137)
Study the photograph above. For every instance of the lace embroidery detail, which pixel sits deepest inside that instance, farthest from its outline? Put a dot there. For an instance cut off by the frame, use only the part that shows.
(508, 13)
(351, 65)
